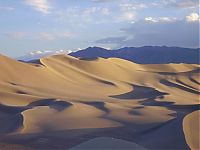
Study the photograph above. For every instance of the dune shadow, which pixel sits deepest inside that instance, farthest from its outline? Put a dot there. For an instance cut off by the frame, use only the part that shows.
(35, 62)
(171, 131)
(106, 82)
(43, 102)
(194, 81)
(88, 58)
(11, 109)
(193, 71)
(11, 118)
(170, 84)
(10, 123)
(52, 103)
(175, 73)
(138, 107)
(180, 82)
(60, 105)
(175, 136)
(153, 102)
(166, 73)
(98, 105)
(140, 92)
(12, 83)
(135, 112)
(21, 92)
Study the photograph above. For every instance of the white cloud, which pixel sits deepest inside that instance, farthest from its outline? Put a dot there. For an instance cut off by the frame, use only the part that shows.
(192, 17)
(128, 16)
(42, 6)
(132, 6)
(187, 4)
(82, 16)
(49, 52)
(128, 11)
(150, 19)
(93, 10)
(160, 19)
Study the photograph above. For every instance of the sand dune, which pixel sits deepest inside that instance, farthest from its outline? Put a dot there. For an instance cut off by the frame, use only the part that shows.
(191, 129)
(60, 101)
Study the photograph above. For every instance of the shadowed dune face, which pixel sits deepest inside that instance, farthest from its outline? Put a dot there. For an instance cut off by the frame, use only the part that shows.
(140, 92)
(12, 118)
(62, 101)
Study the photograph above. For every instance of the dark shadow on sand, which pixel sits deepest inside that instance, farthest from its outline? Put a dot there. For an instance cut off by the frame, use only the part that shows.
(140, 92)
(11, 118)
(170, 84)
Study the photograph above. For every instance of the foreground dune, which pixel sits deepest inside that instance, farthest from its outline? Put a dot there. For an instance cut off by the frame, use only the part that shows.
(191, 129)
(60, 101)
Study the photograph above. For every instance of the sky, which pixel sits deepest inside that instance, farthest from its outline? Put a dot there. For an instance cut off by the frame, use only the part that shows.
(54, 25)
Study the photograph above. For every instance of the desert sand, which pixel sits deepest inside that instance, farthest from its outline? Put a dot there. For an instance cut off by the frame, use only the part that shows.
(61, 102)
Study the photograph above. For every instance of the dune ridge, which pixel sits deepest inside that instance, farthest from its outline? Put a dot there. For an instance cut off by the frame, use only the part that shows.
(59, 98)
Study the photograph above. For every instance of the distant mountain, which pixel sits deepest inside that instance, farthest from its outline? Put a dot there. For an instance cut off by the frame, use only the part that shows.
(39, 54)
(144, 55)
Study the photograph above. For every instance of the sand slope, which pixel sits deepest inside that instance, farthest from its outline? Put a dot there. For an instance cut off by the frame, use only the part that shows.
(61, 98)
(191, 129)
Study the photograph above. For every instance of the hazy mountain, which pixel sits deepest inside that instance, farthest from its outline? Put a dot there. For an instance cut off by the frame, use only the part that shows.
(144, 55)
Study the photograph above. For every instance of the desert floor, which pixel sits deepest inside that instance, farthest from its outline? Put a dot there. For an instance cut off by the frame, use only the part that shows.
(61, 102)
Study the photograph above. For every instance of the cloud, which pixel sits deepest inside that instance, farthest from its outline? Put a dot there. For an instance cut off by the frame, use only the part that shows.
(181, 3)
(81, 16)
(159, 19)
(42, 6)
(49, 52)
(141, 33)
(187, 4)
(192, 17)
(94, 10)
(128, 10)
(132, 6)
(127, 16)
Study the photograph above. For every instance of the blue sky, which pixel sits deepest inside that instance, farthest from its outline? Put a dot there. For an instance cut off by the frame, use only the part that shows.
(30, 25)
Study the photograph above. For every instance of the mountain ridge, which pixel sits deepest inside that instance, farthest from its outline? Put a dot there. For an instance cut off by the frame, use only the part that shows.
(145, 54)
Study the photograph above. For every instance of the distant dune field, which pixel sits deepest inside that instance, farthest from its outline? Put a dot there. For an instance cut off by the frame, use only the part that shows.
(59, 102)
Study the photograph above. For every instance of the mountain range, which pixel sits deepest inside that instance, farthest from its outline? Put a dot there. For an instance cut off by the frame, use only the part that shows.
(144, 55)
